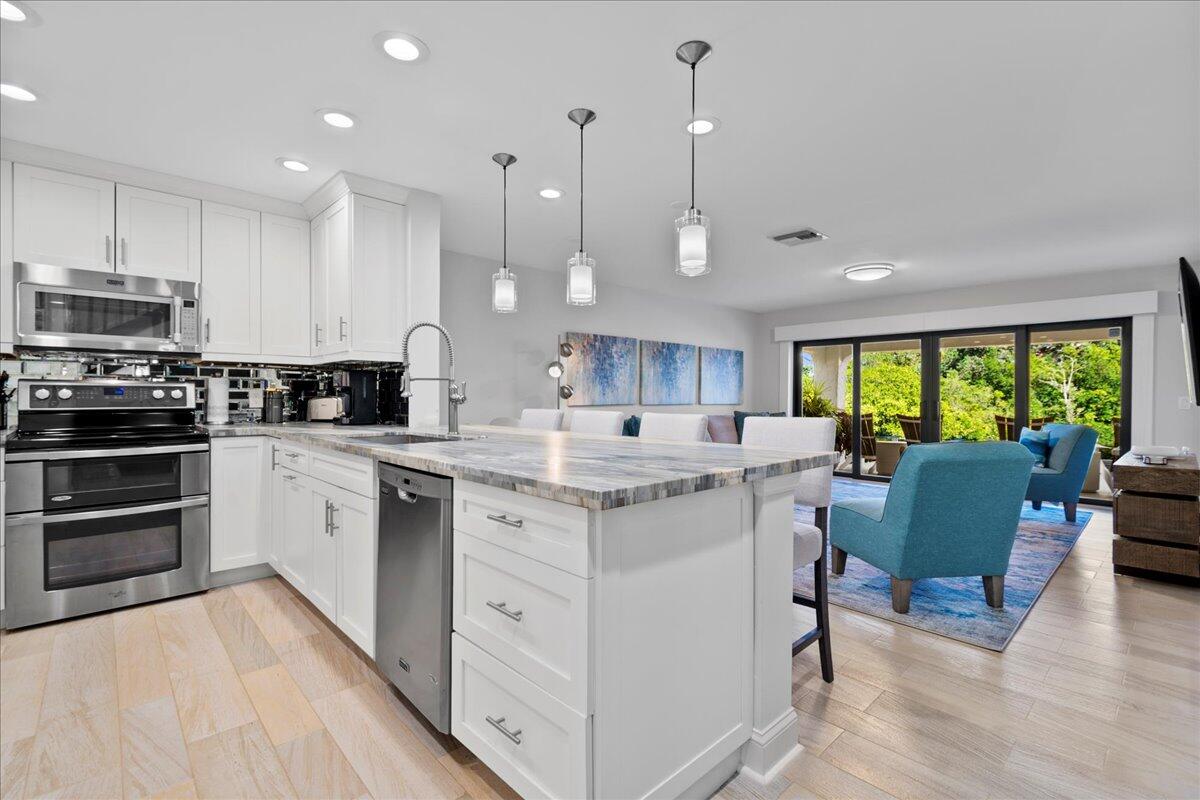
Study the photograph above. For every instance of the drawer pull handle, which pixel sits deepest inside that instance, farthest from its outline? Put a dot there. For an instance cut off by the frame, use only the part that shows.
(498, 724)
(504, 520)
(515, 616)
(292, 456)
(288, 477)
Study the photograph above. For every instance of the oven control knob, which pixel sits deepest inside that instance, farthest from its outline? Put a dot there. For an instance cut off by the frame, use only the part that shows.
(176, 394)
(158, 394)
(65, 394)
(42, 394)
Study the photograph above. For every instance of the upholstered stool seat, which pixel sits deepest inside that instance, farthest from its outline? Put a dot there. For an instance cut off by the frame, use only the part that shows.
(806, 544)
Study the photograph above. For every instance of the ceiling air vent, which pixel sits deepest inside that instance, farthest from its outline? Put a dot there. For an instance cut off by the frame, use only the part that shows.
(802, 236)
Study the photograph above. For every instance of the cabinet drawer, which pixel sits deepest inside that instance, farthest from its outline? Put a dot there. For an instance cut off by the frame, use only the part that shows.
(531, 616)
(535, 743)
(553, 533)
(351, 473)
(1133, 554)
(1160, 518)
(291, 456)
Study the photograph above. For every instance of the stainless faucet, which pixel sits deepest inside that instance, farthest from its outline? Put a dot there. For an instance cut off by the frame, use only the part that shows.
(457, 391)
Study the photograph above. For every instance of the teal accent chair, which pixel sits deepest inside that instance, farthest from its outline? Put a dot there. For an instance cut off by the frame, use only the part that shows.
(1061, 480)
(952, 510)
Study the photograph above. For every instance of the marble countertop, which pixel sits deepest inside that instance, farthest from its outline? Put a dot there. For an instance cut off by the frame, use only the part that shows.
(597, 472)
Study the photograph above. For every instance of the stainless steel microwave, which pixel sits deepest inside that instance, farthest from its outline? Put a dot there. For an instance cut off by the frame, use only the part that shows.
(81, 309)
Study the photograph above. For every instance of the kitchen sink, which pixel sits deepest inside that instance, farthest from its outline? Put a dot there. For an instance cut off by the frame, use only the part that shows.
(403, 438)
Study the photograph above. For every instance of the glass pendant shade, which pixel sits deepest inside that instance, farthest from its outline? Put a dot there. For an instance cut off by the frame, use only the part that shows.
(504, 291)
(692, 241)
(581, 280)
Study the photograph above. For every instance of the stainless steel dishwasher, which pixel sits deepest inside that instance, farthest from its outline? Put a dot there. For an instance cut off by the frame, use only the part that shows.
(412, 618)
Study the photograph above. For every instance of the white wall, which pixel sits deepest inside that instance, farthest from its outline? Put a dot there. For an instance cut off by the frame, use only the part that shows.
(503, 356)
(1173, 425)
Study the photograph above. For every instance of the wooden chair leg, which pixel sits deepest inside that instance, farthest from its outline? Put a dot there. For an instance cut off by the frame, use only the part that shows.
(821, 587)
(993, 590)
(901, 594)
(1037, 505)
(839, 561)
(1069, 511)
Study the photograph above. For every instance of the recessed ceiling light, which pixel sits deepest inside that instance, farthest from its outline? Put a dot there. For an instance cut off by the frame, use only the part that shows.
(295, 165)
(868, 272)
(17, 93)
(550, 194)
(337, 119)
(11, 12)
(702, 125)
(402, 46)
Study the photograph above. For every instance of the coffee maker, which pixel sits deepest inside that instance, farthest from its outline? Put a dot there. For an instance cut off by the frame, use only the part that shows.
(356, 387)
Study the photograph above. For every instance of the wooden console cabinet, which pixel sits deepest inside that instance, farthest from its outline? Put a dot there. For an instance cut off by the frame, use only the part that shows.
(1156, 518)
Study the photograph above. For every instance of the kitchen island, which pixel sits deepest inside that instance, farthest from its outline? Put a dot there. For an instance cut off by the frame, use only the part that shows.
(651, 655)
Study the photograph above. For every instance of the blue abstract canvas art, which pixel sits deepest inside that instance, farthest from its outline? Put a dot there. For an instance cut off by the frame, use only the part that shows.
(601, 369)
(668, 374)
(721, 380)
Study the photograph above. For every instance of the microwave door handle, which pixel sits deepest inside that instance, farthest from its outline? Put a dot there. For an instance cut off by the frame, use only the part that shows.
(82, 516)
(177, 321)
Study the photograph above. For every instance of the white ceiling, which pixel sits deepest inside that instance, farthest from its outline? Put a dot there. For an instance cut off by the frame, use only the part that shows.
(967, 142)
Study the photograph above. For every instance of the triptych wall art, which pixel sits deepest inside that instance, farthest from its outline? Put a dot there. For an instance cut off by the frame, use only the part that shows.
(605, 370)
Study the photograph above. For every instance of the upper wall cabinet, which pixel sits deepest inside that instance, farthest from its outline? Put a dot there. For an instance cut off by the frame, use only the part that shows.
(158, 234)
(332, 324)
(229, 294)
(380, 275)
(286, 312)
(62, 219)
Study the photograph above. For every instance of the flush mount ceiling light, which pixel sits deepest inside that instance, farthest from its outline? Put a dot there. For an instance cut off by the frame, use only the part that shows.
(504, 282)
(868, 272)
(581, 270)
(17, 93)
(11, 12)
(702, 125)
(402, 46)
(293, 164)
(337, 119)
(550, 194)
(693, 238)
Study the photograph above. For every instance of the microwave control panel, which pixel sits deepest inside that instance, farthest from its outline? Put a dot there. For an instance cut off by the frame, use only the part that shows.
(189, 323)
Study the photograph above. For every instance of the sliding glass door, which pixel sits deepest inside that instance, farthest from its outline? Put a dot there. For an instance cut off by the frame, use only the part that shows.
(890, 393)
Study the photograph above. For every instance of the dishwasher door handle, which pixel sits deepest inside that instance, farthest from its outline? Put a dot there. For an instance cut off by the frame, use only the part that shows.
(504, 520)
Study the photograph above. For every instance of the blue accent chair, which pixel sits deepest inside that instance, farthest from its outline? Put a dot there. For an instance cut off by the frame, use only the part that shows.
(952, 510)
(1061, 480)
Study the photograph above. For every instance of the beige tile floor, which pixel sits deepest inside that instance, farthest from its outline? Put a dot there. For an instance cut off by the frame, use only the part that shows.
(244, 692)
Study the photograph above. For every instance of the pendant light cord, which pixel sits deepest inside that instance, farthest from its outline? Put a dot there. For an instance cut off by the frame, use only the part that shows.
(581, 189)
(505, 217)
(692, 131)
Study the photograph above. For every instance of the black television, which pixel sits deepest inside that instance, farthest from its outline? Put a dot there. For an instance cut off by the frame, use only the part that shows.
(1189, 314)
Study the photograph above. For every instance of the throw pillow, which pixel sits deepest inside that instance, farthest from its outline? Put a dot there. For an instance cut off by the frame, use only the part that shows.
(739, 419)
(1038, 443)
(633, 424)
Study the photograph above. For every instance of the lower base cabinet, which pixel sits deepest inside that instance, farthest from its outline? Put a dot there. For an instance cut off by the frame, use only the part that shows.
(238, 514)
(324, 543)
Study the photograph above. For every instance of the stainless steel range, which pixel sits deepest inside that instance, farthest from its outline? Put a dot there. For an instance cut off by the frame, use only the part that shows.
(106, 498)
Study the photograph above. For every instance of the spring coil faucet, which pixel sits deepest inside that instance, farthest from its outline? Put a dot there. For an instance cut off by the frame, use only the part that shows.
(457, 392)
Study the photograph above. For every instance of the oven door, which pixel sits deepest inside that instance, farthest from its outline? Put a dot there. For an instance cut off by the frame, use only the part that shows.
(60, 565)
(64, 479)
(69, 309)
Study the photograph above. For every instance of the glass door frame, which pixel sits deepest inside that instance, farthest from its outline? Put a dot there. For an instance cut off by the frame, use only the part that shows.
(931, 379)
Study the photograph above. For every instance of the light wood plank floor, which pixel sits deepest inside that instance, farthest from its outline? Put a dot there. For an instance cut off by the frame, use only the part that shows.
(245, 692)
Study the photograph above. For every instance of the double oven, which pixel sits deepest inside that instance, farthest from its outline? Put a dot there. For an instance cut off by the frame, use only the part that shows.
(106, 500)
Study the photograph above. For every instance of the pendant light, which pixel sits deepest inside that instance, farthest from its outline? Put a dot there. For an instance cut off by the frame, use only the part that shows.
(504, 282)
(693, 239)
(581, 270)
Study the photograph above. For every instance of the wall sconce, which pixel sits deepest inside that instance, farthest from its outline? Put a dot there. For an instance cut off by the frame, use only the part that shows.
(566, 391)
(555, 369)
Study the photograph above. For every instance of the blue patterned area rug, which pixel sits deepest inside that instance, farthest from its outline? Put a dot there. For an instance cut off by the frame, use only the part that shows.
(955, 607)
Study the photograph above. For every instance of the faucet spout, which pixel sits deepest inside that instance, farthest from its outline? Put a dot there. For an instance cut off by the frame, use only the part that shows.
(457, 396)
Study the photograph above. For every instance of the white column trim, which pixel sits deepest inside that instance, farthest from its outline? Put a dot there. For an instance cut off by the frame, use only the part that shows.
(786, 367)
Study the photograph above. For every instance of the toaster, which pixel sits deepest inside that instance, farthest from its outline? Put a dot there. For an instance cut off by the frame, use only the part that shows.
(324, 409)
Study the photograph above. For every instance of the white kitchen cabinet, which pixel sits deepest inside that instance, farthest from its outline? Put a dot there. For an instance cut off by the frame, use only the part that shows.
(62, 219)
(286, 296)
(230, 291)
(380, 275)
(292, 526)
(317, 276)
(6, 259)
(353, 518)
(331, 280)
(322, 583)
(157, 234)
(238, 502)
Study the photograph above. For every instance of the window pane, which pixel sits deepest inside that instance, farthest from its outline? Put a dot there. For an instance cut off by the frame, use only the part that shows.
(977, 378)
(826, 385)
(891, 402)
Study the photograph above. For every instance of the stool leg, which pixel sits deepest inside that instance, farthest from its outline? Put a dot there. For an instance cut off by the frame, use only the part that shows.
(821, 588)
